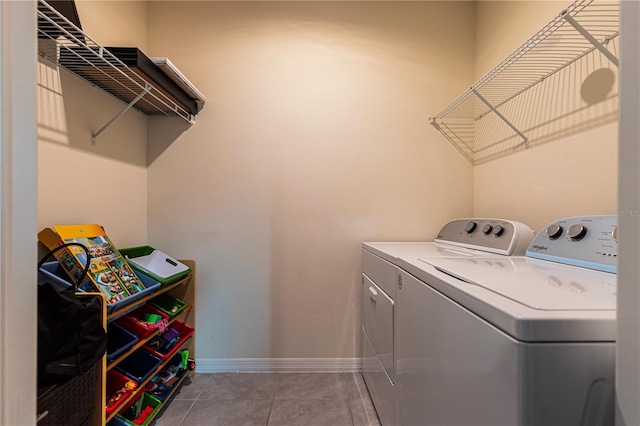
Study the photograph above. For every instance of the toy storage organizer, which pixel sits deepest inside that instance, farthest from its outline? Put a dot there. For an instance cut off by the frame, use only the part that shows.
(139, 353)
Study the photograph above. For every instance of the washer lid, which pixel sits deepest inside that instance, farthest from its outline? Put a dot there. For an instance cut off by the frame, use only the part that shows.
(538, 285)
(391, 251)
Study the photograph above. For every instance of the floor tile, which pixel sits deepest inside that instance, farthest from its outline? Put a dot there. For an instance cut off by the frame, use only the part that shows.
(310, 412)
(240, 386)
(192, 386)
(228, 413)
(363, 412)
(173, 413)
(354, 386)
(315, 386)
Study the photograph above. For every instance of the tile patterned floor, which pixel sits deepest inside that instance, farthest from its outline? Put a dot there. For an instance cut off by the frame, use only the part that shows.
(269, 399)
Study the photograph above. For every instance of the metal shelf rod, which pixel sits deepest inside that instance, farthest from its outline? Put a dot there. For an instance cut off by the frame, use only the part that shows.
(127, 108)
(502, 117)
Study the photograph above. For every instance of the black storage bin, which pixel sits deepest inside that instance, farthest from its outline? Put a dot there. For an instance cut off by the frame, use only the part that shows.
(68, 404)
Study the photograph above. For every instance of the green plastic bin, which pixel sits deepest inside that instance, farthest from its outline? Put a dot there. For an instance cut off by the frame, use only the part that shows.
(155, 264)
(148, 400)
(168, 304)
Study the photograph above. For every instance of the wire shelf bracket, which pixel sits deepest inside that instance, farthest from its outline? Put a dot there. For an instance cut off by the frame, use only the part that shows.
(146, 90)
(588, 36)
(513, 87)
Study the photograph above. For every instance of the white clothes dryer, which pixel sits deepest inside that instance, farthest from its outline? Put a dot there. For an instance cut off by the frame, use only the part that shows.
(461, 238)
(511, 340)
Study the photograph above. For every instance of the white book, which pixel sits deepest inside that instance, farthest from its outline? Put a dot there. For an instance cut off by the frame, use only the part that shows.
(174, 73)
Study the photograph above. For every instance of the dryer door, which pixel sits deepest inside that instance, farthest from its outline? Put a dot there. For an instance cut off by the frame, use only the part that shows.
(378, 323)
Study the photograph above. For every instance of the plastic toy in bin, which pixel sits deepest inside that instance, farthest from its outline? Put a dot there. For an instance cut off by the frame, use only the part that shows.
(166, 344)
(144, 321)
(142, 411)
(119, 387)
(155, 264)
(162, 384)
(168, 304)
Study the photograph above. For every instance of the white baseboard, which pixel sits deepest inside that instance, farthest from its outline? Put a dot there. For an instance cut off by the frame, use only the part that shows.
(278, 365)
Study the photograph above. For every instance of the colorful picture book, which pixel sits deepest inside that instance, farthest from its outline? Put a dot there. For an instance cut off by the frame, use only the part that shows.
(108, 272)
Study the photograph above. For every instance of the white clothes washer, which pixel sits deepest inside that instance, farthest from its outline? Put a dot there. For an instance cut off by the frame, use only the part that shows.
(461, 238)
(511, 340)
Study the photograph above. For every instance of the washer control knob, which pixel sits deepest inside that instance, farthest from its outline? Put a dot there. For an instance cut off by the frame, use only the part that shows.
(486, 230)
(577, 232)
(614, 234)
(471, 226)
(554, 231)
(498, 230)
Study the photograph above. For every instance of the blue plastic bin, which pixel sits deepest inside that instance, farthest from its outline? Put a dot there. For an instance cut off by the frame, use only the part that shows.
(119, 340)
(56, 273)
(139, 365)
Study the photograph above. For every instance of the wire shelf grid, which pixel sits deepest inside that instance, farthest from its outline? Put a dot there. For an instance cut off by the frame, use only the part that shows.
(555, 47)
(66, 45)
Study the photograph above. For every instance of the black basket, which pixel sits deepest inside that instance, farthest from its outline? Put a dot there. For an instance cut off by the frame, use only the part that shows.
(68, 404)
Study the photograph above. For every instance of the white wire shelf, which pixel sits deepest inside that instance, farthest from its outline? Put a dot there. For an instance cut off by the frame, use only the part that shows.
(66, 45)
(584, 33)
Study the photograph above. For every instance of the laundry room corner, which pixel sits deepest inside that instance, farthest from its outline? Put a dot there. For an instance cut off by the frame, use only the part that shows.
(316, 140)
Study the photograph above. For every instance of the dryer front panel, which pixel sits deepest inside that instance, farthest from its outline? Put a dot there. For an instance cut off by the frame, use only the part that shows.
(452, 367)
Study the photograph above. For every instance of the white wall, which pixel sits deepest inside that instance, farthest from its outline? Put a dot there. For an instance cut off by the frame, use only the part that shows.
(571, 169)
(77, 182)
(314, 139)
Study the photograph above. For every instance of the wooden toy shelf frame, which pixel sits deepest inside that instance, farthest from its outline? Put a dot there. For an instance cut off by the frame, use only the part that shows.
(183, 289)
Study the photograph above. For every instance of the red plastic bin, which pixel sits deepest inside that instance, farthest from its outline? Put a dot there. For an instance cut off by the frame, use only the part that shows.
(130, 321)
(116, 382)
(184, 330)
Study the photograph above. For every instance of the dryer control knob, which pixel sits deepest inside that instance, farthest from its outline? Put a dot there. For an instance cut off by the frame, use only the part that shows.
(498, 230)
(486, 230)
(577, 232)
(471, 226)
(554, 231)
(614, 234)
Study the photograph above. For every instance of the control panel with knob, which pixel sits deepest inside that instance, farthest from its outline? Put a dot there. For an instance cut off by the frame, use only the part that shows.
(590, 242)
(492, 235)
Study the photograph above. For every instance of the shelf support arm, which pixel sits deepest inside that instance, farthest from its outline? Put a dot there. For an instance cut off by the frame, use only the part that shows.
(147, 89)
(591, 38)
(502, 117)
